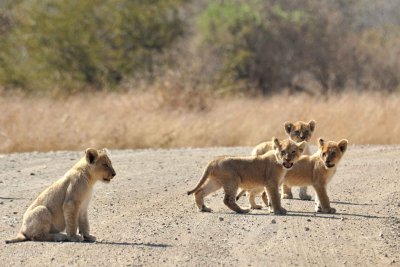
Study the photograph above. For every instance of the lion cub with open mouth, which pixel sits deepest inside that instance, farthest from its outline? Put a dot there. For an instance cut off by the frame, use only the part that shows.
(63, 205)
(297, 131)
(265, 171)
(316, 170)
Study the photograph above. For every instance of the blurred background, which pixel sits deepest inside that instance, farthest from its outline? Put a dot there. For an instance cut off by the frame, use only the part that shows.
(179, 73)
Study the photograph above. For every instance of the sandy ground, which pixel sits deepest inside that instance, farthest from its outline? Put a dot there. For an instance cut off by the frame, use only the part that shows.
(144, 217)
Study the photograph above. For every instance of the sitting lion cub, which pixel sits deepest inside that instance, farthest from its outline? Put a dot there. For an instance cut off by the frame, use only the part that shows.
(298, 131)
(64, 204)
(265, 171)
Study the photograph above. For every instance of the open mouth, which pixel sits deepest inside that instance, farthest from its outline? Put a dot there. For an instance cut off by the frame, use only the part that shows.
(287, 165)
(329, 165)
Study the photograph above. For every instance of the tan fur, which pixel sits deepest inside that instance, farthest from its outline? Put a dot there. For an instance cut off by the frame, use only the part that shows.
(63, 205)
(317, 170)
(298, 131)
(265, 171)
(310, 170)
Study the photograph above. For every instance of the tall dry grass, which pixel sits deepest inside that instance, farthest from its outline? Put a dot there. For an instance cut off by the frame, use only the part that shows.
(153, 119)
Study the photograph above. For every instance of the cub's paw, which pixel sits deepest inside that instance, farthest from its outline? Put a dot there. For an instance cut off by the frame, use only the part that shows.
(75, 238)
(280, 211)
(326, 210)
(256, 207)
(59, 237)
(305, 197)
(240, 195)
(242, 211)
(89, 238)
(331, 210)
(205, 209)
(287, 196)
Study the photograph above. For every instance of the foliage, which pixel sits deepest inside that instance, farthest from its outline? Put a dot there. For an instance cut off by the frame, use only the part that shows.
(271, 43)
(73, 43)
(305, 45)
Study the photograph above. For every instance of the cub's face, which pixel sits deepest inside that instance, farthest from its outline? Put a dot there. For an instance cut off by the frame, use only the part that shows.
(300, 131)
(101, 166)
(331, 152)
(288, 151)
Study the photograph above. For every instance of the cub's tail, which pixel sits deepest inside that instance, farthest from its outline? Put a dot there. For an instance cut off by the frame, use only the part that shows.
(202, 180)
(20, 238)
(243, 192)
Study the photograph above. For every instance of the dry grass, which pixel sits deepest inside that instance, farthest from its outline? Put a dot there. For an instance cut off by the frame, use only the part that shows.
(151, 119)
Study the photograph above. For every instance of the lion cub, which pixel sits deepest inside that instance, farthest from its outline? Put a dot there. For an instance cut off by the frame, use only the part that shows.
(265, 171)
(317, 170)
(297, 131)
(64, 204)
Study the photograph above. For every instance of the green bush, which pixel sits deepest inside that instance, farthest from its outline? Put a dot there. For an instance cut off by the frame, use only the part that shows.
(72, 44)
(253, 40)
(268, 44)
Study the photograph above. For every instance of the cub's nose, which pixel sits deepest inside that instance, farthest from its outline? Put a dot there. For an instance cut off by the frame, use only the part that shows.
(113, 173)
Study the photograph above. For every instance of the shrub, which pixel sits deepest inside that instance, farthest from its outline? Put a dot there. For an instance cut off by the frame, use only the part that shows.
(271, 43)
(76, 43)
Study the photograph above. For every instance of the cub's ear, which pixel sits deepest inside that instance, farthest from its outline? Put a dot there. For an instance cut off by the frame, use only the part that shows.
(276, 144)
(321, 142)
(311, 124)
(91, 155)
(288, 127)
(105, 151)
(343, 145)
(302, 146)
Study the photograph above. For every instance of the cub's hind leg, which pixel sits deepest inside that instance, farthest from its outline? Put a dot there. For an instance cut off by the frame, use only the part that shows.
(57, 237)
(303, 193)
(241, 193)
(230, 198)
(286, 192)
(37, 224)
(252, 199)
(264, 197)
(208, 188)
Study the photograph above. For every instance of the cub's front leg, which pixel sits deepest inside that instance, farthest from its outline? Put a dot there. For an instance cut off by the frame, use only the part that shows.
(71, 214)
(274, 199)
(322, 200)
(84, 227)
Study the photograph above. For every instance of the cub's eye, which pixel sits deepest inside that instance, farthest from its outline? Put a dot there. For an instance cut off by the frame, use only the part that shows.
(294, 152)
(105, 165)
(297, 132)
(306, 132)
(283, 153)
(324, 154)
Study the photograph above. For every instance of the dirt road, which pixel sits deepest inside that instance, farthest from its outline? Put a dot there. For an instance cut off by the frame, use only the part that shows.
(144, 217)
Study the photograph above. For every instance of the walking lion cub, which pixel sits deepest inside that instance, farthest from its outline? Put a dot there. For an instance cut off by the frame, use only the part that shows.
(316, 170)
(63, 205)
(265, 171)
